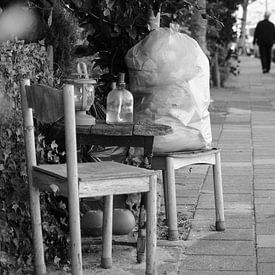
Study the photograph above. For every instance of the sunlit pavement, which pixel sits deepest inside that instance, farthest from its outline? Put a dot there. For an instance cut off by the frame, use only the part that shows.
(243, 123)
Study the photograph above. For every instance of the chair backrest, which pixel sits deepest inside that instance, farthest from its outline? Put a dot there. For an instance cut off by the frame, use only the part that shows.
(35, 98)
(49, 105)
(47, 102)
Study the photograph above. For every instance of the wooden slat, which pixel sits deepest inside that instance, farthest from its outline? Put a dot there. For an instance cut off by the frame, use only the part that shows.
(113, 187)
(96, 170)
(147, 128)
(99, 187)
(142, 128)
(188, 154)
(102, 128)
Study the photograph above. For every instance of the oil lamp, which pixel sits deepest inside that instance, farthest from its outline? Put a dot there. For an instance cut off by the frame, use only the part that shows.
(83, 95)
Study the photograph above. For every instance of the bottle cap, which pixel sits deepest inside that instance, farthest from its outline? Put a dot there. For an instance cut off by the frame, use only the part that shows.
(121, 78)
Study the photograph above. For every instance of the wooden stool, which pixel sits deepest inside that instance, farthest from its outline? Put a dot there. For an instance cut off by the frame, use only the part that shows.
(168, 163)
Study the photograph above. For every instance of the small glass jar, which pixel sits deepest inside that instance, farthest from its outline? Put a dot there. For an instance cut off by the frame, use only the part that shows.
(119, 103)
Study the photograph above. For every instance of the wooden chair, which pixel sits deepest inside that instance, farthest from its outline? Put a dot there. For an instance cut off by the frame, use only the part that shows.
(82, 180)
(169, 162)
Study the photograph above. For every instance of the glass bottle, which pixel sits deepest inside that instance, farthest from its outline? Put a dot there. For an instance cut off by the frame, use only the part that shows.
(119, 103)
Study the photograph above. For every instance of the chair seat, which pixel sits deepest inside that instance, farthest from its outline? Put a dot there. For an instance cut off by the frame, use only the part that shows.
(188, 154)
(95, 178)
(185, 158)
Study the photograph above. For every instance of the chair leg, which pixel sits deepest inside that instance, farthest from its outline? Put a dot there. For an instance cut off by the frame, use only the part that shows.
(170, 186)
(164, 176)
(141, 230)
(106, 259)
(151, 227)
(218, 193)
(39, 262)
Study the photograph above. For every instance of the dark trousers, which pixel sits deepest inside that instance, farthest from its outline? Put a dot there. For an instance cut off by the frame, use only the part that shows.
(265, 55)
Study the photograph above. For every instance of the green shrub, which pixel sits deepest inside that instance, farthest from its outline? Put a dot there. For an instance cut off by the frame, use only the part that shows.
(19, 60)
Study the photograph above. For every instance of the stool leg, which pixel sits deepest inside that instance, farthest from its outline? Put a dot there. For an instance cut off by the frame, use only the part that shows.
(170, 186)
(218, 193)
(106, 259)
(151, 227)
(164, 176)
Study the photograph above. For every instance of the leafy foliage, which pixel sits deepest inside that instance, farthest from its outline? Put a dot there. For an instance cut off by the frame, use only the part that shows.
(113, 27)
(19, 60)
(220, 33)
(22, 61)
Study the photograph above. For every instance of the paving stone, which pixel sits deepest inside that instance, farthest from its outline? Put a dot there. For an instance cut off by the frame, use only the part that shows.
(265, 186)
(240, 155)
(221, 248)
(265, 194)
(238, 201)
(266, 255)
(266, 268)
(236, 164)
(265, 209)
(237, 185)
(265, 170)
(236, 171)
(228, 235)
(183, 192)
(187, 200)
(234, 218)
(229, 223)
(225, 146)
(265, 228)
(265, 200)
(204, 272)
(263, 177)
(266, 241)
(218, 263)
(240, 179)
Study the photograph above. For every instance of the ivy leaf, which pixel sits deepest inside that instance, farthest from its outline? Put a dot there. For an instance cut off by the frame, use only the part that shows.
(54, 188)
(40, 137)
(56, 260)
(15, 207)
(117, 29)
(132, 33)
(54, 145)
(106, 12)
(62, 205)
(9, 132)
(50, 19)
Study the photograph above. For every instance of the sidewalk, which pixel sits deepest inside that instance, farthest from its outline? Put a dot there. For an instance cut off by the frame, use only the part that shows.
(243, 120)
(243, 126)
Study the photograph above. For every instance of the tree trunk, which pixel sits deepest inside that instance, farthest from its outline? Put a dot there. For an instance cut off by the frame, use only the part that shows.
(199, 25)
(243, 30)
(216, 71)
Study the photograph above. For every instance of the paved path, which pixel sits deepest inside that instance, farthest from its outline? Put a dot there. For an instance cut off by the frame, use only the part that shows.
(243, 125)
(243, 121)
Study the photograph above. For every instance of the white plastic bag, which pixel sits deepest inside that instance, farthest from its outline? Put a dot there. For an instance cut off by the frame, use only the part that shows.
(169, 78)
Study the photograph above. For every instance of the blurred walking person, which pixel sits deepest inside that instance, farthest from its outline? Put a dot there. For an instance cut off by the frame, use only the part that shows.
(264, 37)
